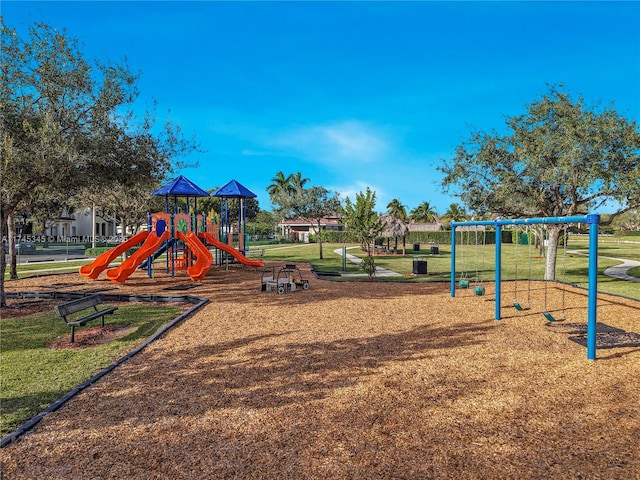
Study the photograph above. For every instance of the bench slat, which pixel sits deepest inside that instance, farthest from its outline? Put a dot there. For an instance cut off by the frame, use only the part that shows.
(78, 305)
(93, 316)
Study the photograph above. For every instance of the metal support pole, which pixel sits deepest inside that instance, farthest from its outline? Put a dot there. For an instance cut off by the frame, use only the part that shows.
(344, 258)
(453, 260)
(149, 227)
(593, 221)
(498, 268)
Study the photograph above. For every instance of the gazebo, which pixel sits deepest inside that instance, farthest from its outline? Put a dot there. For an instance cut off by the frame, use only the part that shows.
(394, 228)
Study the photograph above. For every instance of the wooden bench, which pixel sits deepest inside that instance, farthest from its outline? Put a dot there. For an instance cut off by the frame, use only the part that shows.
(68, 311)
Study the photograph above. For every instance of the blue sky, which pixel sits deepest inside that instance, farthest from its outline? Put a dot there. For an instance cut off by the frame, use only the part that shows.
(351, 94)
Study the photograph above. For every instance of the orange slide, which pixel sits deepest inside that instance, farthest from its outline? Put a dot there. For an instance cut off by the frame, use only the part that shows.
(150, 245)
(231, 251)
(96, 267)
(199, 269)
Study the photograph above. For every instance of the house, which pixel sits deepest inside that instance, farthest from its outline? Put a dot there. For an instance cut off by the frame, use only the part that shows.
(77, 227)
(299, 229)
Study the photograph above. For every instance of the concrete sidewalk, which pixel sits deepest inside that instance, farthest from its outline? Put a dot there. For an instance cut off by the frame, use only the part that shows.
(380, 272)
(617, 271)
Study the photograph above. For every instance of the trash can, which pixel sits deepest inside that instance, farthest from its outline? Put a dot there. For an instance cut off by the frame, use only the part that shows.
(435, 249)
(419, 265)
(416, 247)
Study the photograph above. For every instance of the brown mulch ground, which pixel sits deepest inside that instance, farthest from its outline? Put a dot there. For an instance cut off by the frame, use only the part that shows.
(353, 380)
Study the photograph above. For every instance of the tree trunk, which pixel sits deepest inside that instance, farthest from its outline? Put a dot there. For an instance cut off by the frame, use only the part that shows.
(125, 254)
(320, 240)
(3, 257)
(539, 235)
(13, 264)
(552, 251)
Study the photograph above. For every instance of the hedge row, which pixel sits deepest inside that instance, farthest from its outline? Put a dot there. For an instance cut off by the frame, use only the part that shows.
(442, 236)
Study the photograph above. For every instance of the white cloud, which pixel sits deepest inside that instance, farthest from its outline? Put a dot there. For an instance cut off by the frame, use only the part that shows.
(360, 186)
(349, 142)
(247, 152)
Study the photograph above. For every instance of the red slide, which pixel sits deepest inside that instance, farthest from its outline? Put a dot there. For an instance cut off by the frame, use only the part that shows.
(96, 267)
(150, 245)
(231, 251)
(199, 269)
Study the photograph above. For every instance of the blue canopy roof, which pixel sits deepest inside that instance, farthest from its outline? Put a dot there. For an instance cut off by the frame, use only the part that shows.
(235, 190)
(181, 186)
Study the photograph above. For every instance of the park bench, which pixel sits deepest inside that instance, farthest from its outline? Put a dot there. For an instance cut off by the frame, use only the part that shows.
(68, 312)
(255, 254)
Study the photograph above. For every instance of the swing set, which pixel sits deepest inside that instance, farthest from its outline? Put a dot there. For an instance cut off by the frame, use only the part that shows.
(516, 304)
(463, 282)
(593, 220)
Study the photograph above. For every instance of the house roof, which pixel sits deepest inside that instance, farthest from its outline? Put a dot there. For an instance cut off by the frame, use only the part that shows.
(181, 186)
(304, 222)
(425, 227)
(235, 190)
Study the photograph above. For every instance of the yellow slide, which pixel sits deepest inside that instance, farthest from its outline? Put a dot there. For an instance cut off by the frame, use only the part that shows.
(96, 267)
(201, 267)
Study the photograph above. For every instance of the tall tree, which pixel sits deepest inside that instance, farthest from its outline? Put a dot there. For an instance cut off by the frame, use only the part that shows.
(361, 218)
(63, 124)
(424, 213)
(398, 211)
(291, 199)
(314, 205)
(280, 189)
(559, 158)
(297, 182)
(455, 213)
(51, 103)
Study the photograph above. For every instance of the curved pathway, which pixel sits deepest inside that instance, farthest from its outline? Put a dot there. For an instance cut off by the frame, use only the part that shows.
(617, 271)
(620, 271)
(380, 272)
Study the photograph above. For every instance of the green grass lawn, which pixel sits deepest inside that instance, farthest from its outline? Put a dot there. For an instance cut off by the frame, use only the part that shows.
(478, 262)
(32, 375)
(27, 269)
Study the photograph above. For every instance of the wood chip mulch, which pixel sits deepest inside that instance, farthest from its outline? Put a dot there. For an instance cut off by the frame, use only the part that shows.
(354, 380)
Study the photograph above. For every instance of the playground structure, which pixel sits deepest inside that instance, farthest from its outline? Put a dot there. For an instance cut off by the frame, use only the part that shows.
(288, 279)
(183, 237)
(593, 220)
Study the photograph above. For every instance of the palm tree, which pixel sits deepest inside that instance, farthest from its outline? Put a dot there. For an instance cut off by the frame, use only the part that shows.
(398, 211)
(424, 213)
(280, 188)
(455, 213)
(279, 191)
(297, 182)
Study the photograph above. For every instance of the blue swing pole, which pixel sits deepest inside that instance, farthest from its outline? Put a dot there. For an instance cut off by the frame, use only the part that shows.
(593, 221)
(453, 259)
(498, 268)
